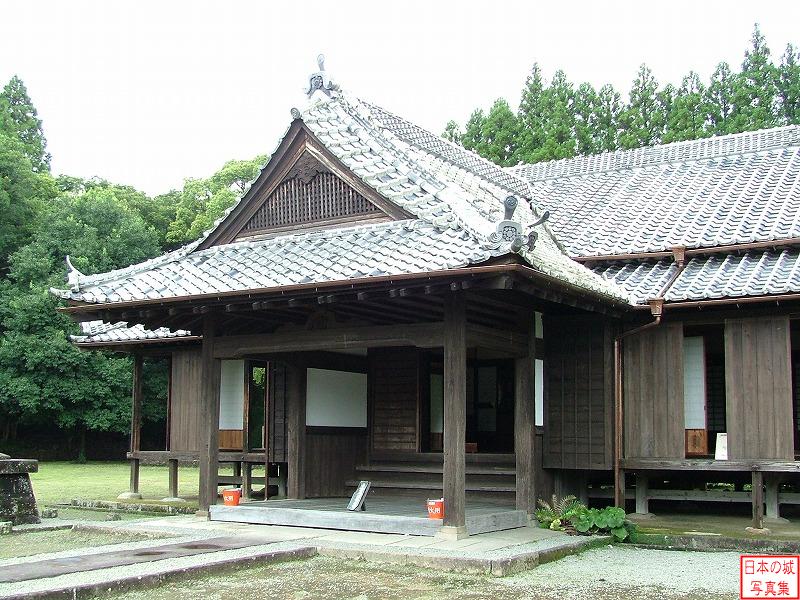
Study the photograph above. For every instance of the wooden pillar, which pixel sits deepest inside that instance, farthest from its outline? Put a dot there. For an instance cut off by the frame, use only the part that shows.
(296, 432)
(247, 480)
(455, 413)
(209, 417)
(136, 430)
(757, 495)
(642, 501)
(525, 427)
(173, 478)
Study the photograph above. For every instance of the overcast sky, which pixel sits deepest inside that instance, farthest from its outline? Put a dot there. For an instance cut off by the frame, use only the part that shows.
(149, 93)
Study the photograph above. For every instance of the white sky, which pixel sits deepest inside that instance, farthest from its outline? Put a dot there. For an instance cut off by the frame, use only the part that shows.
(149, 93)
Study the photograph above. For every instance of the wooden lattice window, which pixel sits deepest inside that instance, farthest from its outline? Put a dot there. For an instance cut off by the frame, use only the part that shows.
(324, 197)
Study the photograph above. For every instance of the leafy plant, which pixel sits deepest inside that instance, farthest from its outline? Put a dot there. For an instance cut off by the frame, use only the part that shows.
(552, 515)
(608, 521)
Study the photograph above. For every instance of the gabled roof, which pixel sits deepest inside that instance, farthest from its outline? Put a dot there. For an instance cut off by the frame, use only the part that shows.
(455, 202)
(723, 190)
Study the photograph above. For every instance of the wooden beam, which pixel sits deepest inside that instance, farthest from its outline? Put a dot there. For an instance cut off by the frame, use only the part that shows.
(296, 429)
(512, 342)
(423, 335)
(642, 498)
(209, 416)
(525, 426)
(455, 411)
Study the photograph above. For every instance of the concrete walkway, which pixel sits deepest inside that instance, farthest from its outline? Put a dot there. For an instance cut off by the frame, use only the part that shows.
(498, 553)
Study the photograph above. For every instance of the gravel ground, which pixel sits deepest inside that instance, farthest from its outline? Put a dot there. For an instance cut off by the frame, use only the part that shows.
(601, 574)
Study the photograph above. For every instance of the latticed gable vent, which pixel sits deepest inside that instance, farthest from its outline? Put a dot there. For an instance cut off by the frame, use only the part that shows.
(322, 198)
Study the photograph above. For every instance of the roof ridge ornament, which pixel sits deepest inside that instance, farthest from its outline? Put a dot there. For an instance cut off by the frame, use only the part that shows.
(73, 275)
(510, 232)
(320, 81)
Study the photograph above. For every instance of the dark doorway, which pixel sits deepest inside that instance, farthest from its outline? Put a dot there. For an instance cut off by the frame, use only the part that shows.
(490, 407)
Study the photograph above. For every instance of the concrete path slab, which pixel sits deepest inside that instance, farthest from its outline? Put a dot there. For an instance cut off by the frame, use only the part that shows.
(92, 562)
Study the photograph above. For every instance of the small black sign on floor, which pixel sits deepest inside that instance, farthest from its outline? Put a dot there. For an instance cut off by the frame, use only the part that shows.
(357, 502)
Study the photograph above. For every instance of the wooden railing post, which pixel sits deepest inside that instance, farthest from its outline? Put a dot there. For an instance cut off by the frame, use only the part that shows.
(455, 415)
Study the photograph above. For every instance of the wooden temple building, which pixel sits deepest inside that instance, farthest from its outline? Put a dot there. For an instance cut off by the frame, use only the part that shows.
(384, 305)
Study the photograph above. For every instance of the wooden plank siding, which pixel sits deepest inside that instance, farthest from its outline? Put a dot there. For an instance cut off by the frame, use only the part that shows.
(394, 383)
(184, 418)
(332, 455)
(758, 388)
(653, 393)
(579, 390)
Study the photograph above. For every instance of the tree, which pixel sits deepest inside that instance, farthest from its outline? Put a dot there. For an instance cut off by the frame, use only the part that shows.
(452, 132)
(687, 116)
(644, 118)
(499, 135)
(608, 112)
(44, 379)
(23, 192)
(18, 117)
(720, 99)
(559, 123)
(203, 201)
(789, 86)
(531, 115)
(587, 125)
(756, 92)
(473, 130)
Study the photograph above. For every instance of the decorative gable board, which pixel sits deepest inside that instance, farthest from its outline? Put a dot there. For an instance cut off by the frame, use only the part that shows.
(302, 187)
(310, 198)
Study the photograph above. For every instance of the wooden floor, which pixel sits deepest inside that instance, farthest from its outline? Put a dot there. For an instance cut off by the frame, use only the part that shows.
(385, 514)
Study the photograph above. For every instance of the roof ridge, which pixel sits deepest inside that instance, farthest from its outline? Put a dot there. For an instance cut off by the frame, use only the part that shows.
(746, 142)
(439, 139)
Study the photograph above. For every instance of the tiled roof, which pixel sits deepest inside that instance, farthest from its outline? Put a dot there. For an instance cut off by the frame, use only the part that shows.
(94, 332)
(456, 206)
(754, 273)
(717, 191)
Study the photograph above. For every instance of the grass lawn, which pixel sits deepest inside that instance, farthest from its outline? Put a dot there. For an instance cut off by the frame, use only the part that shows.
(41, 542)
(62, 481)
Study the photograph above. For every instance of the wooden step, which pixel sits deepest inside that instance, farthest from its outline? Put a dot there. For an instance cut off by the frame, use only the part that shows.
(438, 469)
(432, 485)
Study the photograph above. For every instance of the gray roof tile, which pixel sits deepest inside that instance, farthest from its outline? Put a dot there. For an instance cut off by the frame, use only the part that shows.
(725, 190)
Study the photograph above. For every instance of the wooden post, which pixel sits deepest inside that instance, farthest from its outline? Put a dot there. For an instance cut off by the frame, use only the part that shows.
(173, 478)
(525, 426)
(295, 431)
(247, 480)
(642, 501)
(136, 430)
(209, 418)
(455, 414)
(758, 499)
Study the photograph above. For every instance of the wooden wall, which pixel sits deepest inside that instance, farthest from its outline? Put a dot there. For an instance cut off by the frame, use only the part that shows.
(579, 392)
(277, 412)
(394, 384)
(184, 433)
(758, 388)
(653, 393)
(331, 457)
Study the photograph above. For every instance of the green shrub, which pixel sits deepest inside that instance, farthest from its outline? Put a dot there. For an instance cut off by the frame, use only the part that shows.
(552, 515)
(608, 521)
